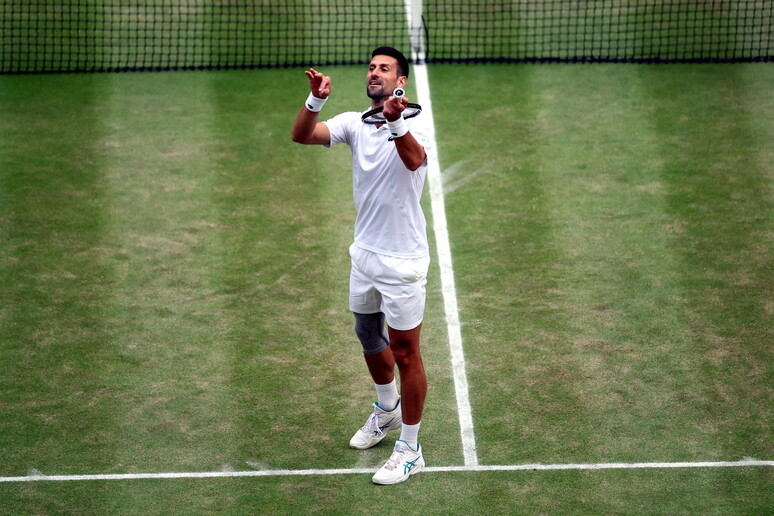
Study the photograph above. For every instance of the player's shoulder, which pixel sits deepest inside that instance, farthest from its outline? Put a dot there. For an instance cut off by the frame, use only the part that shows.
(342, 127)
(343, 123)
(347, 117)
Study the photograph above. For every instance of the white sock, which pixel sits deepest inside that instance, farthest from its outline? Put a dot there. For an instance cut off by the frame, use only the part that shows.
(410, 434)
(387, 395)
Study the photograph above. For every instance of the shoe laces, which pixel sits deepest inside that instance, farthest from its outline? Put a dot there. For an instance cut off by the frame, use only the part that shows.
(372, 425)
(395, 459)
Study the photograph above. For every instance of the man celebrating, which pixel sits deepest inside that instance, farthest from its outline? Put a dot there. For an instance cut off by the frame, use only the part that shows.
(390, 255)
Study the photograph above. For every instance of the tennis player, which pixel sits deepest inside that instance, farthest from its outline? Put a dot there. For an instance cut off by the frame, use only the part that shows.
(390, 256)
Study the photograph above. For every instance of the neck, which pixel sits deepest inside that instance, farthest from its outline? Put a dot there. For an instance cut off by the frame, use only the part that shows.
(378, 102)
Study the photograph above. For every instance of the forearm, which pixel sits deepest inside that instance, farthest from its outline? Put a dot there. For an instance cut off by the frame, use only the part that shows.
(306, 128)
(410, 151)
(304, 125)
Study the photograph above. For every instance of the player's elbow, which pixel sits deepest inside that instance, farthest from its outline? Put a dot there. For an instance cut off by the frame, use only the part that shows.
(300, 133)
(297, 137)
(418, 164)
(415, 162)
(305, 137)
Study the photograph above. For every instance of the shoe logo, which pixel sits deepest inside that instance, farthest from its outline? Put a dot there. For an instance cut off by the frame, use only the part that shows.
(386, 424)
(409, 465)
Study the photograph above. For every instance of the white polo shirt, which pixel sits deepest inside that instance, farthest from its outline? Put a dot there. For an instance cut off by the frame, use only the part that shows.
(387, 195)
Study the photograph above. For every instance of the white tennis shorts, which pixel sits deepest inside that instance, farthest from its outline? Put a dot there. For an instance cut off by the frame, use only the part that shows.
(393, 286)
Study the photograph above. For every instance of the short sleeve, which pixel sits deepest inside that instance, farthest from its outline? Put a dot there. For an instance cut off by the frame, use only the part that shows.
(340, 127)
(420, 132)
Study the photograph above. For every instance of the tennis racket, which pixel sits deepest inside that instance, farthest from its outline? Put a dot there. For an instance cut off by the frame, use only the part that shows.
(375, 116)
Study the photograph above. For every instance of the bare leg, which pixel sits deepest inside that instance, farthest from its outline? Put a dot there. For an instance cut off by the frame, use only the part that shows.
(381, 366)
(404, 347)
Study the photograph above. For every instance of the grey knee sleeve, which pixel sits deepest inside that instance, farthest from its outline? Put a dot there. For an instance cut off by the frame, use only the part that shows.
(369, 328)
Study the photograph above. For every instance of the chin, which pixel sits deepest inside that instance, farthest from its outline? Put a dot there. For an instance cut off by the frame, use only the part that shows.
(376, 93)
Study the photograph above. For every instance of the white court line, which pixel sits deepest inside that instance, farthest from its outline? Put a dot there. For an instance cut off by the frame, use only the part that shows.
(449, 291)
(447, 272)
(39, 477)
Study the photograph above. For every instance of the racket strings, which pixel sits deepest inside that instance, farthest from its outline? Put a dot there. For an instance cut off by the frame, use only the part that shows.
(376, 116)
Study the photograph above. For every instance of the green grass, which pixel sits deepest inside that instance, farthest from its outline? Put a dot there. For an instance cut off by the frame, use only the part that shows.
(174, 277)
(566, 492)
(628, 213)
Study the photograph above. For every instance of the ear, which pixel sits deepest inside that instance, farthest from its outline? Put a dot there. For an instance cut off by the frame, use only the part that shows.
(402, 81)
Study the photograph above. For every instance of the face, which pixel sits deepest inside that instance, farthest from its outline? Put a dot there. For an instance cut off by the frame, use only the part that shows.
(383, 77)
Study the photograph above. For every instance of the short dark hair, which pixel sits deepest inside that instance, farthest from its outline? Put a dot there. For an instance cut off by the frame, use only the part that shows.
(389, 51)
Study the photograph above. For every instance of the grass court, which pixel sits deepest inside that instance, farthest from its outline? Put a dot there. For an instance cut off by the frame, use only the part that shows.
(174, 292)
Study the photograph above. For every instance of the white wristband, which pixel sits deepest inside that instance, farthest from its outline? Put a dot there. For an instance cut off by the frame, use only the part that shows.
(315, 104)
(398, 128)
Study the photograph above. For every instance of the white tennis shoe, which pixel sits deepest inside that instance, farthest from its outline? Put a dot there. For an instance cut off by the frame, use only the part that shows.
(403, 463)
(376, 427)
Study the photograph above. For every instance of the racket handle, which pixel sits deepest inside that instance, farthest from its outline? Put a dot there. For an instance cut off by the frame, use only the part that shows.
(399, 93)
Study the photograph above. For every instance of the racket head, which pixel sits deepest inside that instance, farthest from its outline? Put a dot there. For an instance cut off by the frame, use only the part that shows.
(375, 116)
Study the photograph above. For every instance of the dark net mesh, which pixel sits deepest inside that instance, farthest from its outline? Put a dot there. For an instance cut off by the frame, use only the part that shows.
(123, 35)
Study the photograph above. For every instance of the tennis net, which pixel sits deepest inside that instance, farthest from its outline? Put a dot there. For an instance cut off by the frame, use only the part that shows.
(600, 31)
(132, 35)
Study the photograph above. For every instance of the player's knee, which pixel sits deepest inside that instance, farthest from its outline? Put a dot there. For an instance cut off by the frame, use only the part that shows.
(404, 351)
(369, 329)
